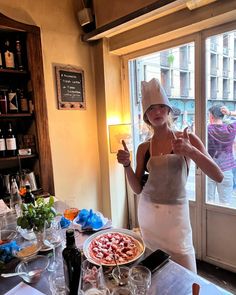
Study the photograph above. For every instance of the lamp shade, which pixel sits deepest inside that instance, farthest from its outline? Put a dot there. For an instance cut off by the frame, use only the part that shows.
(117, 133)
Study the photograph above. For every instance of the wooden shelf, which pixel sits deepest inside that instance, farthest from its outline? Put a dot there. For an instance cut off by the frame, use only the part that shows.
(17, 115)
(18, 157)
(16, 72)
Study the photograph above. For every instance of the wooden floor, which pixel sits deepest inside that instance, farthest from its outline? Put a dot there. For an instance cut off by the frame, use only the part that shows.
(218, 276)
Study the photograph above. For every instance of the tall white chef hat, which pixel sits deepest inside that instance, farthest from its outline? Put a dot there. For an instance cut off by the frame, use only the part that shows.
(153, 93)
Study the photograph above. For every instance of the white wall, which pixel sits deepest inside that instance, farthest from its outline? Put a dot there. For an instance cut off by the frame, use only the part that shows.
(73, 134)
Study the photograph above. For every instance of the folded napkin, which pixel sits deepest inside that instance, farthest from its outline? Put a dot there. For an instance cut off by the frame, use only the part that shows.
(7, 250)
(3, 208)
(90, 220)
(64, 222)
(24, 289)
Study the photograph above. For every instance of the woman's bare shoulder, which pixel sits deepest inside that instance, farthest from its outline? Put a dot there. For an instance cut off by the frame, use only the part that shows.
(143, 147)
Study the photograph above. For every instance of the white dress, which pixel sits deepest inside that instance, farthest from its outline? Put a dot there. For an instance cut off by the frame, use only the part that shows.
(163, 210)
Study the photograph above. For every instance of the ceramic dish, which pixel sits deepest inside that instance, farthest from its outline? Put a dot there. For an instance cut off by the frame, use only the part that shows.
(136, 237)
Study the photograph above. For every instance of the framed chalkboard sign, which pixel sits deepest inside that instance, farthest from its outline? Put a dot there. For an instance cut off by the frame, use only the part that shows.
(70, 88)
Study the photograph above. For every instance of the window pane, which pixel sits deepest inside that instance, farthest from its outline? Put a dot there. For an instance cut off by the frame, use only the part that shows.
(221, 91)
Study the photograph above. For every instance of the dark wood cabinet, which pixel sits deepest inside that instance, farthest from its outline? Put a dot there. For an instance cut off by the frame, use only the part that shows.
(35, 123)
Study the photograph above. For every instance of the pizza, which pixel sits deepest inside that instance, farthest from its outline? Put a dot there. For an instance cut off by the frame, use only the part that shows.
(114, 247)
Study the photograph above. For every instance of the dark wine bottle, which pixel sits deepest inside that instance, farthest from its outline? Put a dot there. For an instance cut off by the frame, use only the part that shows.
(20, 66)
(13, 102)
(2, 145)
(11, 142)
(1, 63)
(24, 107)
(29, 197)
(72, 263)
(9, 56)
(3, 102)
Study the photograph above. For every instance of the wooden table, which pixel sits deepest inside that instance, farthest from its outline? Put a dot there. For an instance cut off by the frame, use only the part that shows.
(171, 279)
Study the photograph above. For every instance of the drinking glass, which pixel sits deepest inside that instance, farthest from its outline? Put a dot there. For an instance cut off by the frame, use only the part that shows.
(92, 275)
(57, 282)
(3, 222)
(122, 291)
(97, 291)
(121, 275)
(52, 237)
(139, 280)
(71, 213)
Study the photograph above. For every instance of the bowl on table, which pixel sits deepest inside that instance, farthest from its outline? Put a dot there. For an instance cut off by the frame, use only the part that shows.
(37, 264)
(27, 249)
(7, 235)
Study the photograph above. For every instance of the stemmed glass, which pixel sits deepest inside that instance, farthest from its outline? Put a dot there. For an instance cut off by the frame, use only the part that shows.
(2, 223)
(52, 237)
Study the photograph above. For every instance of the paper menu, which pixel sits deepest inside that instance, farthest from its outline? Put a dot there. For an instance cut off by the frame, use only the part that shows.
(3, 208)
(23, 289)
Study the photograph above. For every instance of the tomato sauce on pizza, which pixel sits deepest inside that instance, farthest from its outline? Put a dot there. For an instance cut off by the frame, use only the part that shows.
(108, 247)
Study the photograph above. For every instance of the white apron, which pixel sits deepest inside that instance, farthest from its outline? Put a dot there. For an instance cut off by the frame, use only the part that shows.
(163, 210)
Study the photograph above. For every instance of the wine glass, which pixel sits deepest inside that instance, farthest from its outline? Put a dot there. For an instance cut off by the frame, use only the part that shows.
(3, 223)
(52, 237)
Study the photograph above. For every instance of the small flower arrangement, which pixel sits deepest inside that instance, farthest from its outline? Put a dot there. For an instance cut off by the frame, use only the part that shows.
(35, 216)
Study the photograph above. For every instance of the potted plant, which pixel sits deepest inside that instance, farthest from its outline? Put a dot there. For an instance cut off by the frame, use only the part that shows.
(33, 217)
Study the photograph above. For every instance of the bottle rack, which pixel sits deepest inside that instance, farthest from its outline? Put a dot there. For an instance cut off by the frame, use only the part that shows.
(27, 123)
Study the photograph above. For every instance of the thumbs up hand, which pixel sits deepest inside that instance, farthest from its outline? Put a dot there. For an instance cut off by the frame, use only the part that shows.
(182, 145)
(123, 156)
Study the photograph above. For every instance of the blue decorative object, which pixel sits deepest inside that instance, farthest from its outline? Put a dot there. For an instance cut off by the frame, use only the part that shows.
(7, 250)
(90, 220)
(64, 222)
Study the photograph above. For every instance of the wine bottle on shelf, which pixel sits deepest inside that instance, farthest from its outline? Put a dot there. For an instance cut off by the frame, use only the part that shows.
(20, 66)
(13, 102)
(9, 56)
(3, 101)
(2, 145)
(30, 95)
(24, 107)
(72, 263)
(11, 142)
(29, 197)
(15, 198)
(1, 64)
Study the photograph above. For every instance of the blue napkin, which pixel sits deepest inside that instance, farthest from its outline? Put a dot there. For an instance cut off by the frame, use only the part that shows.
(90, 220)
(7, 250)
(64, 222)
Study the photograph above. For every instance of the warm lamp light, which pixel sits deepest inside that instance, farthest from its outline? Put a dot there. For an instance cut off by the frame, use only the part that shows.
(117, 133)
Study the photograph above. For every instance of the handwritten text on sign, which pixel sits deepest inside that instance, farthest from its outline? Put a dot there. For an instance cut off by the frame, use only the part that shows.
(71, 86)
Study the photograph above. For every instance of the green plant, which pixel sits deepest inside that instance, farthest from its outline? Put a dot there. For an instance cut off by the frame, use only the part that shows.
(35, 216)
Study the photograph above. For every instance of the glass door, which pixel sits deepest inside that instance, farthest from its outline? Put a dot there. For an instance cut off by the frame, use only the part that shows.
(198, 72)
(219, 214)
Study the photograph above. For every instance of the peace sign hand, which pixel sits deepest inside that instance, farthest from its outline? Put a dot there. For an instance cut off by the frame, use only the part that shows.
(182, 145)
(123, 156)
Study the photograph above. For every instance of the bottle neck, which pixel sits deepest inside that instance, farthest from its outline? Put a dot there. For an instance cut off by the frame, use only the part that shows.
(70, 242)
(14, 188)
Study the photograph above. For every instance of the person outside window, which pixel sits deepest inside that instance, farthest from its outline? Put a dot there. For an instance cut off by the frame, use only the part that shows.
(163, 210)
(221, 137)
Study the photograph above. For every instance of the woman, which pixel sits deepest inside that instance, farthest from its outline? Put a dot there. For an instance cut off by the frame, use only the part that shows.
(163, 211)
